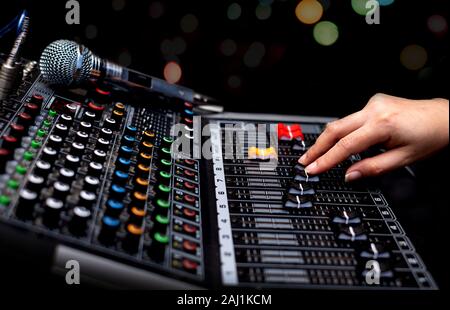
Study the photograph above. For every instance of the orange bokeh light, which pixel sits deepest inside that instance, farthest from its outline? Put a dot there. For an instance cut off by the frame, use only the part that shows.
(172, 72)
(309, 11)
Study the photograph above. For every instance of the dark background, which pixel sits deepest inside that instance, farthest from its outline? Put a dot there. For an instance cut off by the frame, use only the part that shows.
(296, 75)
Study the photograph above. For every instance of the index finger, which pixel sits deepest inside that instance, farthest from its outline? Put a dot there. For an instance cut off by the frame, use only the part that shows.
(332, 133)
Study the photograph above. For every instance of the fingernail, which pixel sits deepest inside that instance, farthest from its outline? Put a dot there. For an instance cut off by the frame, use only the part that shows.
(302, 159)
(310, 168)
(352, 176)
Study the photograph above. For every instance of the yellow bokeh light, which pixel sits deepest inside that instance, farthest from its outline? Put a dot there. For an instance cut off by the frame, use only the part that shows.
(309, 11)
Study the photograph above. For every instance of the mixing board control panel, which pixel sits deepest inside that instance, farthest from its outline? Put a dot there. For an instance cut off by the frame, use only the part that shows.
(93, 169)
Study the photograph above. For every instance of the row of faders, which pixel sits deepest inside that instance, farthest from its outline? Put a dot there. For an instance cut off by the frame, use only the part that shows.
(360, 229)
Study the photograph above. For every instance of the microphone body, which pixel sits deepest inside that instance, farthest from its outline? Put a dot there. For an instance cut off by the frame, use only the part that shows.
(68, 63)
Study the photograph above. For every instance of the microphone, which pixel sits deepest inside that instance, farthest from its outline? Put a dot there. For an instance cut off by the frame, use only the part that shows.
(68, 63)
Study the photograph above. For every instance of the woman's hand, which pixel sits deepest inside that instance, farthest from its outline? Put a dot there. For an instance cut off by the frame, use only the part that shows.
(409, 129)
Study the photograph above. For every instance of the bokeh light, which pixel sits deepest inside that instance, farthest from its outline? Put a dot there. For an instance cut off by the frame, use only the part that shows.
(425, 74)
(234, 11)
(359, 6)
(254, 54)
(228, 47)
(309, 11)
(189, 23)
(437, 24)
(385, 2)
(156, 10)
(413, 57)
(263, 11)
(172, 72)
(326, 33)
(118, 5)
(91, 32)
(234, 81)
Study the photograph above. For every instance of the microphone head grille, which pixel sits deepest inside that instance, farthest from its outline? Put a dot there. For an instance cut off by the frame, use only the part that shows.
(65, 62)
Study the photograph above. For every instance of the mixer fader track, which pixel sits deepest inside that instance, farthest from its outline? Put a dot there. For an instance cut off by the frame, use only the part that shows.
(94, 170)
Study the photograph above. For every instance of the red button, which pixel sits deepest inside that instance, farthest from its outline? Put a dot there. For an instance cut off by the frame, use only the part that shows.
(37, 99)
(189, 185)
(189, 229)
(189, 173)
(31, 108)
(190, 199)
(189, 265)
(189, 162)
(95, 108)
(24, 119)
(102, 92)
(189, 246)
(189, 212)
(17, 130)
(188, 105)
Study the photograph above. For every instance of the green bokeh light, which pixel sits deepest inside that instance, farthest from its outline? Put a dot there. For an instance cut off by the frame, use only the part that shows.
(359, 6)
(326, 33)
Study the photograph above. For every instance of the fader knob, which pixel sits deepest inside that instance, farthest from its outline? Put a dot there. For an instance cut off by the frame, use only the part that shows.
(85, 126)
(81, 137)
(117, 192)
(148, 136)
(32, 109)
(144, 158)
(26, 204)
(77, 149)
(108, 232)
(49, 154)
(165, 153)
(162, 192)
(72, 161)
(99, 156)
(61, 190)
(87, 199)
(35, 183)
(66, 175)
(114, 207)
(120, 177)
(66, 119)
(10, 143)
(123, 164)
(132, 238)
(61, 130)
(128, 141)
(17, 131)
(55, 142)
(78, 222)
(142, 171)
(89, 116)
(37, 99)
(24, 119)
(106, 133)
(138, 199)
(42, 168)
(52, 212)
(166, 142)
(130, 131)
(110, 123)
(125, 151)
(95, 169)
(91, 183)
(164, 177)
(136, 215)
(102, 144)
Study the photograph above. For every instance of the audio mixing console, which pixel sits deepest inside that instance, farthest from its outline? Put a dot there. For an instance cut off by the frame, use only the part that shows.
(91, 172)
